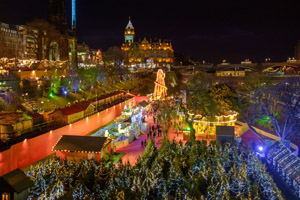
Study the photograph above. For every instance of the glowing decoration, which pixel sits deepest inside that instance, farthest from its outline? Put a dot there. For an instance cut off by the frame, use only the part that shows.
(160, 90)
(106, 133)
(260, 148)
(99, 56)
(51, 95)
(73, 14)
(119, 128)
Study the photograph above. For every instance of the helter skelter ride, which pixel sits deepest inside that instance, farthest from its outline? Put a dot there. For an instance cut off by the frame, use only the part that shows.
(160, 90)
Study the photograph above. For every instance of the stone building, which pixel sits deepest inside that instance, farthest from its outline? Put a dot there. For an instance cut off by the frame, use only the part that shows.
(87, 57)
(146, 53)
(65, 47)
(11, 41)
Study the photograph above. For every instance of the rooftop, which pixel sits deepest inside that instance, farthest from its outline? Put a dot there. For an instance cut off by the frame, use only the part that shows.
(79, 107)
(15, 181)
(129, 25)
(10, 118)
(144, 104)
(74, 143)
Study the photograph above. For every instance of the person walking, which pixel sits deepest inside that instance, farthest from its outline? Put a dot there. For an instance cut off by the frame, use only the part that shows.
(142, 144)
(177, 132)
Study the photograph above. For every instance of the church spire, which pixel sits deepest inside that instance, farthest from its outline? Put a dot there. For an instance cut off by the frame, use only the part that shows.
(129, 25)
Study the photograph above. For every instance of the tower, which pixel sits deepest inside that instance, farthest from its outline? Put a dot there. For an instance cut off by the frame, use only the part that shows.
(73, 39)
(73, 14)
(129, 32)
(58, 15)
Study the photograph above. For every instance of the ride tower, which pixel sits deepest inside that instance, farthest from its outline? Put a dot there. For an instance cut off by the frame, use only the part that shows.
(160, 90)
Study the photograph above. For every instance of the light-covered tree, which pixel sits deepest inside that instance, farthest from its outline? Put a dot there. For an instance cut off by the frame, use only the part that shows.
(280, 102)
(199, 102)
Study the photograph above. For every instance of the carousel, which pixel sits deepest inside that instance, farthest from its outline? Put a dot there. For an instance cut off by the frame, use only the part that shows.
(206, 128)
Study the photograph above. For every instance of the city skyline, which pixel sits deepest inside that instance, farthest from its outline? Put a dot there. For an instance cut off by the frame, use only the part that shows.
(208, 31)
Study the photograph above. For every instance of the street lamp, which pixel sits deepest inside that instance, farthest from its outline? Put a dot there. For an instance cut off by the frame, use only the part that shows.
(42, 102)
(65, 93)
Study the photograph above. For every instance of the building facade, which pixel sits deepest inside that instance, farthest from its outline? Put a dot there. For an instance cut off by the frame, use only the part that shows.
(88, 57)
(14, 124)
(11, 41)
(146, 53)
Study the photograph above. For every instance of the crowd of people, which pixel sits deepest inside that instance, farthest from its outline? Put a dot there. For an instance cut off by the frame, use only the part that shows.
(154, 130)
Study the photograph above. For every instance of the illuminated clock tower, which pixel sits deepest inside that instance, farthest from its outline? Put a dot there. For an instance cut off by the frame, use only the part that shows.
(129, 32)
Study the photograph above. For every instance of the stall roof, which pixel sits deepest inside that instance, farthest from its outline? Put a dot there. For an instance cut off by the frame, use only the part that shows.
(144, 104)
(15, 181)
(82, 106)
(74, 143)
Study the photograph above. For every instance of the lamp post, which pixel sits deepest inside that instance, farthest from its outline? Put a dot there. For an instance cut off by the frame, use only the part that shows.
(42, 102)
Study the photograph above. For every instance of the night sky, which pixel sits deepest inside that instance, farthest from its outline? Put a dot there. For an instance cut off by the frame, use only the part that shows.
(206, 30)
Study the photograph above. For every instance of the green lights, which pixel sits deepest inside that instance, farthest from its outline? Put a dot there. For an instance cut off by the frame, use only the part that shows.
(186, 128)
(51, 95)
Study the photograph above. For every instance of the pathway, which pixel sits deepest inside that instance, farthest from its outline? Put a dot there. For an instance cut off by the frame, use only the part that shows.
(134, 150)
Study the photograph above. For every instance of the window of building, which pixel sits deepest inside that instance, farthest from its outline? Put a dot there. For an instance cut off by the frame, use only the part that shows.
(5, 196)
